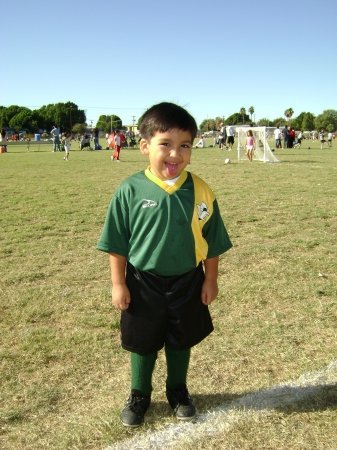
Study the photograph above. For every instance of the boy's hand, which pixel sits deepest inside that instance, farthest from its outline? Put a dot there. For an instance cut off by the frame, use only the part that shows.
(209, 291)
(120, 292)
(121, 296)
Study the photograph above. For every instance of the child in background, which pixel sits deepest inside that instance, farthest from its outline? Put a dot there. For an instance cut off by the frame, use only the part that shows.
(164, 234)
(66, 143)
(119, 139)
(250, 145)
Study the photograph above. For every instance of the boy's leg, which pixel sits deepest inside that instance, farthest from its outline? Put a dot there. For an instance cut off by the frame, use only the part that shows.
(176, 390)
(177, 366)
(142, 366)
(137, 404)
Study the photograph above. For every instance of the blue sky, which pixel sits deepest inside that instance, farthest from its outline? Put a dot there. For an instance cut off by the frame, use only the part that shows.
(213, 57)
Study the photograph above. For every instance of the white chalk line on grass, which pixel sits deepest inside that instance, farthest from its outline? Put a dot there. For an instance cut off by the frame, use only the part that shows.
(221, 419)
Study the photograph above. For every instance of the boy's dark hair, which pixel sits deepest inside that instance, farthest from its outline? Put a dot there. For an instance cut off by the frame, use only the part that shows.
(165, 116)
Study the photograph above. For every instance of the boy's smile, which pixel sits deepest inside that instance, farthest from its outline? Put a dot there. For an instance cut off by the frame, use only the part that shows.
(169, 152)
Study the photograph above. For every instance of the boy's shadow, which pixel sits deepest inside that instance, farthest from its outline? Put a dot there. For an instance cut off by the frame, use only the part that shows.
(286, 399)
(202, 402)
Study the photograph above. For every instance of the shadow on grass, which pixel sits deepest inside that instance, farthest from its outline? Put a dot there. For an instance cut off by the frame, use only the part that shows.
(202, 402)
(317, 398)
(286, 399)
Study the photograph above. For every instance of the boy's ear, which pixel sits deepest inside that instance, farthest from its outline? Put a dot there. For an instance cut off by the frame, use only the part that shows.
(143, 145)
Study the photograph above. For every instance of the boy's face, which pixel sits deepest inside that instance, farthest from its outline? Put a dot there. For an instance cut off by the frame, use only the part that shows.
(169, 152)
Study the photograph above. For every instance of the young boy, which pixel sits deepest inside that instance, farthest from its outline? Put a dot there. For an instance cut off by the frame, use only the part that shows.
(164, 234)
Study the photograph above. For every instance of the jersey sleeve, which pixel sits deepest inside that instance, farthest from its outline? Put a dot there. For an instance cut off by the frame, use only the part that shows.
(215, 234)
(115, 235)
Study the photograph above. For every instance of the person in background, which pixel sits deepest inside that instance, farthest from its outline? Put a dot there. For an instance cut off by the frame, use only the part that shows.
(230, 137)
(201, 142)
(300, 138)
(222, 137)
(321, 138)
(95, 132)
(285, 134)
(250, 145)
(119, 139)
(291, 137)
(85, 142)
(277, 135)
(66, 143)
(55, 132)
(330, 139)
(3, 139)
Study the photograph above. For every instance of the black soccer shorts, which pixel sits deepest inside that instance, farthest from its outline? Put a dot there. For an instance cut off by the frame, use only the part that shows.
(164, 311)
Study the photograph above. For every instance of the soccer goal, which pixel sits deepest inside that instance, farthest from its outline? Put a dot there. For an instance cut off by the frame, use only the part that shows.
(262, 150)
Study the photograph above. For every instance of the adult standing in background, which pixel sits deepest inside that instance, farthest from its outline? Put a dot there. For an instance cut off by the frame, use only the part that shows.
(285, 134)
(95, 132)
(230, 136)
(222, 137)
(291, 137)
(277, 134)
(321, 138)
(55, 132)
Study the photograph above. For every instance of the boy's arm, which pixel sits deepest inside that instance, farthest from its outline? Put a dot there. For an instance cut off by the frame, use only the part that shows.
(120, 292)
(210, 289)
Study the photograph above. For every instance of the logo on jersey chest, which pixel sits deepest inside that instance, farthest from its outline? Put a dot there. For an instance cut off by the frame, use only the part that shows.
(148, 203)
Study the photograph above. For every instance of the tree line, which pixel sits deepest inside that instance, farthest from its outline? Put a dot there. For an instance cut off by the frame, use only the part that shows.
(67, 116)
(63, 115)
(305, 121)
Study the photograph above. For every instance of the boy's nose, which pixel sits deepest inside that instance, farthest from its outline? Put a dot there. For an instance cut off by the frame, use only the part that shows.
(174, 151)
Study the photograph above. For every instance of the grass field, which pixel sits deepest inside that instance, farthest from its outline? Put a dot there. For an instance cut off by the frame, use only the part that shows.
(63, 375)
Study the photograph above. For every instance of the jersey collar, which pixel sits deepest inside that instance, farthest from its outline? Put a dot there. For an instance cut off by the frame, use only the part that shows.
(169, 189)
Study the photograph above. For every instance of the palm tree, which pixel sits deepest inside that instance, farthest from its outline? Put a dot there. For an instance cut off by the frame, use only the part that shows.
(288, 113)
(251, 111)
(243, 113)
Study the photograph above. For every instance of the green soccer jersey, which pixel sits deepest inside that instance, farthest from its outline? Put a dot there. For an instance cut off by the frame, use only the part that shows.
(164, 229)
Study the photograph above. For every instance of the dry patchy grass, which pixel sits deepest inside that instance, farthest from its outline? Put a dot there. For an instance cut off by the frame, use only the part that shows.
(64, 377)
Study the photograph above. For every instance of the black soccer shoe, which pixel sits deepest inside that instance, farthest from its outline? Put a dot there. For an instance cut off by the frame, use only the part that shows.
(181, 402)
(135, 409)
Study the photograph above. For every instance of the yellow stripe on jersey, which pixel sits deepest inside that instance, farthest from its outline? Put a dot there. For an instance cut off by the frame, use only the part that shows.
(169, 189)
(203, 210)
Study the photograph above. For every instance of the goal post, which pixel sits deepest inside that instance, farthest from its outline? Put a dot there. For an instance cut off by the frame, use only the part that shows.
(262, 150)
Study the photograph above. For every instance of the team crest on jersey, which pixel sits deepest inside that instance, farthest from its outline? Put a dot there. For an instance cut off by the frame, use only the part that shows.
(148, 203)
(202, 211)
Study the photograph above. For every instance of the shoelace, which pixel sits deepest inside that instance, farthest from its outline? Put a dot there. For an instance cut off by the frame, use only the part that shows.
(135, 404)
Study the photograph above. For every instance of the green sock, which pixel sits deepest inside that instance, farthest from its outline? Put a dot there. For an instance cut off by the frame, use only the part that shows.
(177, 366)
(141, 372)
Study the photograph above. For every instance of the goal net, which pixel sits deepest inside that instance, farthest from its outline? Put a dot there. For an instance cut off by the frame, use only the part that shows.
(262, 150)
